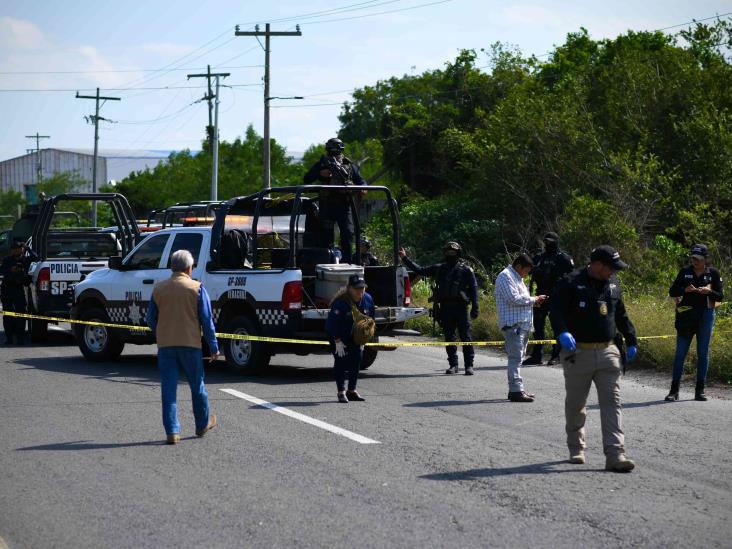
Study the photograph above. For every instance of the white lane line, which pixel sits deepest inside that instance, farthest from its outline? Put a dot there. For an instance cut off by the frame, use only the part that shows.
(301, 417)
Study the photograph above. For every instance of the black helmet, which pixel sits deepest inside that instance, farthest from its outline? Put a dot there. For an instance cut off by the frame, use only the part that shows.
(334, 146)
(365, 242)
(452, 248)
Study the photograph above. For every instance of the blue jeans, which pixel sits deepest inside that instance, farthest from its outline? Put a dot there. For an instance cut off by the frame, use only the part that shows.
(517, 337)
(703, 338)
(170, 359)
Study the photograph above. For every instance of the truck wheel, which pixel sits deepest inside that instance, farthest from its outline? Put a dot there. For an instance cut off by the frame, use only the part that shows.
(244, 356)
(369, 355)
(39, 331)
(97, 343)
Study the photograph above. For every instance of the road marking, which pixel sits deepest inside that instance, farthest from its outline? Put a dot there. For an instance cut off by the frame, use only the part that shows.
(301, 417)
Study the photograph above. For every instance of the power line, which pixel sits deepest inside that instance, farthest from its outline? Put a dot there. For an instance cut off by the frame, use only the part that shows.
(29, 90)
(312, 14)
(170, 66)
(128, 70)
(378, 13)
(693, 21)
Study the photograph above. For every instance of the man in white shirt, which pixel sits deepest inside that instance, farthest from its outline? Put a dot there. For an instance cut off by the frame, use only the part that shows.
(515, 319)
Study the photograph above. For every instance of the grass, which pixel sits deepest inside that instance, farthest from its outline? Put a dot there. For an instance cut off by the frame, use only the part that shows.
(652, 314)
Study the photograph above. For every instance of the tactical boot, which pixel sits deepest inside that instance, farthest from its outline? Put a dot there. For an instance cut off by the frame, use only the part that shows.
(619, 464)
(699, 393)
(577, 457)
(673, 394)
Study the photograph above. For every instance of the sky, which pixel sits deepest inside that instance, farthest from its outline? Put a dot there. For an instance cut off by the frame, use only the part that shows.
(142, 52)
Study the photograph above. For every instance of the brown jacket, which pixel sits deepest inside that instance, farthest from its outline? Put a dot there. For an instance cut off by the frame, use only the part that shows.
(178, 322)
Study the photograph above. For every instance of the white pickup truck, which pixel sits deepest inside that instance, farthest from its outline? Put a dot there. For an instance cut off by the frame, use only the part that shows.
(64, 257)
(278, 284)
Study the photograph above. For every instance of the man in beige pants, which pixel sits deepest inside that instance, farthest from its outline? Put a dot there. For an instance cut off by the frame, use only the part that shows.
(587, 312)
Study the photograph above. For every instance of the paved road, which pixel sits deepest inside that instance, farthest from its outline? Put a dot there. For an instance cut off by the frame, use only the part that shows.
(83, 464)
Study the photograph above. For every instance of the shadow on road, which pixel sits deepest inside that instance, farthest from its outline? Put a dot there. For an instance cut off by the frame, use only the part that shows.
(635, 404)
(88, 445)
(547, 468)
(441, 403)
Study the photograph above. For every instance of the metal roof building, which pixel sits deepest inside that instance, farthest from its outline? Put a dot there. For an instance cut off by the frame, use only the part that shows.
(21, 173)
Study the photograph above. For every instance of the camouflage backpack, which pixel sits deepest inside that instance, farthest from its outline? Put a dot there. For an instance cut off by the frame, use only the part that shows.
(364, 327)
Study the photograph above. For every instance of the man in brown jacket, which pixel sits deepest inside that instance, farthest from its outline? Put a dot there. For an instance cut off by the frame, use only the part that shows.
(179, 309)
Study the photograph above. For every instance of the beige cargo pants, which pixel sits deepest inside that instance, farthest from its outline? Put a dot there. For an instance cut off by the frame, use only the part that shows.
(581, 368)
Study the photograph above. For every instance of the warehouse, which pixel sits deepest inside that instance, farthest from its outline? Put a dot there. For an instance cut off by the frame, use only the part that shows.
(21, 173)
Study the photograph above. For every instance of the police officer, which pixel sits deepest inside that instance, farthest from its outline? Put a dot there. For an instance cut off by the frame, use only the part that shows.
(456, 287)
(367, 258)
(334, 168)
(549, 266)
(339, 326)
(587, 312)
(14, 270)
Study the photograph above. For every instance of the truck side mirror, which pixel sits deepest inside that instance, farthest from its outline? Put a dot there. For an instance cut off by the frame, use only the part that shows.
(115, 263)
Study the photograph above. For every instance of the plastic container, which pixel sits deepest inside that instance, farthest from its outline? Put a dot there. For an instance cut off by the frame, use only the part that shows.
(330, 278)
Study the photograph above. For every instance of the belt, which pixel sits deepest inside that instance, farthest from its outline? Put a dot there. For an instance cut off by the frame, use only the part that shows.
(599, 345)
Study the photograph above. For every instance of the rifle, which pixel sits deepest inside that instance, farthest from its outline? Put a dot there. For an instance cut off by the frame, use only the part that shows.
(339, 170)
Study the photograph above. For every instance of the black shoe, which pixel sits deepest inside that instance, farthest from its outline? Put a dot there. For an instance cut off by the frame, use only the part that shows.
(469, 371)
(520, 396)
(553, 361)
(532, 361)
(674, 392)
(699, 393)
(353, 395)
(342, 398)
(451, 370)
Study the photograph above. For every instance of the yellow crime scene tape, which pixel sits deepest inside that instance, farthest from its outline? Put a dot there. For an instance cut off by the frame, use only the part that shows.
(265, 339)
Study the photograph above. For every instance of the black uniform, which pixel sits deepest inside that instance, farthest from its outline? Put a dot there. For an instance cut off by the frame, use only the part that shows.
(591, 310)
(456, 287)
(335, 206)
(14, 271)
(369, 260)
(549, 268)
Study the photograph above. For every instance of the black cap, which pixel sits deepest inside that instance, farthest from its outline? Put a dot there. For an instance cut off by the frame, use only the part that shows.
(551, 237)
(699, 250)
(609, 256)
(365, 241)
(452, 248)
(356, 281)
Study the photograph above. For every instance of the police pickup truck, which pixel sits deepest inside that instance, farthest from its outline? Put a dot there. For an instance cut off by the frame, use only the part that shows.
(65, 256)
(268, 265)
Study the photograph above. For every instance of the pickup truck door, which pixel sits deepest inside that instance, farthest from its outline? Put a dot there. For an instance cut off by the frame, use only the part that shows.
(145, 266)
(193, 241)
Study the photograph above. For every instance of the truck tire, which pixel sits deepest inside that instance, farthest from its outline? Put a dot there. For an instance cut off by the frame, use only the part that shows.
(97, 343)
(369, 355)
(39, 331)
(243, 356)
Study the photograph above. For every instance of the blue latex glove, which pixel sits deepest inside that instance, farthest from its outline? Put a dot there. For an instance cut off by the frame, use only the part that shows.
(631, 352)
(566, 340)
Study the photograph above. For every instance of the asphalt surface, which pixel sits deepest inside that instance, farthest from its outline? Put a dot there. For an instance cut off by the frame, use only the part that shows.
(83, 463)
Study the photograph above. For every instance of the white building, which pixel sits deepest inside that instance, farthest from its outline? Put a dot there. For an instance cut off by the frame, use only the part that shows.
(21, 173)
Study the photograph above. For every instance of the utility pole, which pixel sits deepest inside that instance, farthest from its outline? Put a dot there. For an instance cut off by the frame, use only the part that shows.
(267, 34)
(213, 131)
(39, 166)
(95, 118)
